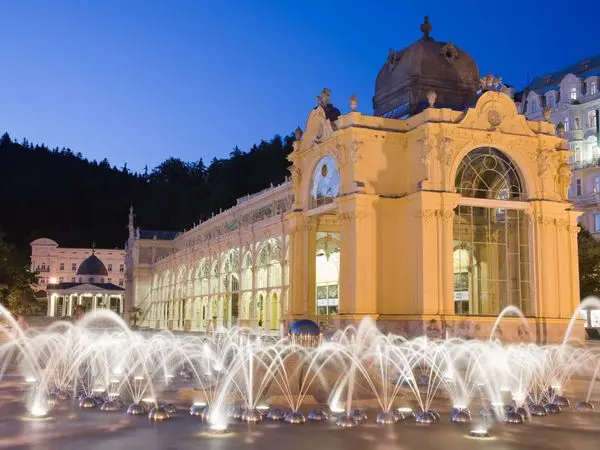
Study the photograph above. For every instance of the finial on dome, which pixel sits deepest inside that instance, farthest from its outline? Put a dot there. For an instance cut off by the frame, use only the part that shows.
(353, 102)
(426, 28)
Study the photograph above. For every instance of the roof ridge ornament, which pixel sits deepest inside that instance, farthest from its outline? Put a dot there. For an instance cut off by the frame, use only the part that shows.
(426, 28)
(353, 102)
(490, 83)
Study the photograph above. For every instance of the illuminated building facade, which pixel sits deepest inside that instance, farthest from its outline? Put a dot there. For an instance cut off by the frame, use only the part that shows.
(433, 215)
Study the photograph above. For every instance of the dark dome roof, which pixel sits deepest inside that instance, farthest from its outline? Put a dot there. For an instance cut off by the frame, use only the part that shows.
(427, 65)
(305, 327)
(92, 266)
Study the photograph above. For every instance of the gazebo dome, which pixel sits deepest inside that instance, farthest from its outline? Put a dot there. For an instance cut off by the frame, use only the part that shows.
(92, 265)
(409, 75)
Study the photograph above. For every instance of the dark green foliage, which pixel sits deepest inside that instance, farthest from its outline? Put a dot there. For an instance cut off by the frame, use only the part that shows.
(15, 280)
(589, 264)
(61, 195)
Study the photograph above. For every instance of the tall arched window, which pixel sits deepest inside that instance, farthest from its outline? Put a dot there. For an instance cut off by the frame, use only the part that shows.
(491, 236)
(325, 182)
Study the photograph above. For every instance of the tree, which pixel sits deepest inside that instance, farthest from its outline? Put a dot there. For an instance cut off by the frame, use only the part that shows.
(5, 139)
(15, 281)
(589, 264)
(90, 200)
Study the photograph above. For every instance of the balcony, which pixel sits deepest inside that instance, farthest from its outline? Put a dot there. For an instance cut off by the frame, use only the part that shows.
(578, 165)
(587, 200)
(575, 134)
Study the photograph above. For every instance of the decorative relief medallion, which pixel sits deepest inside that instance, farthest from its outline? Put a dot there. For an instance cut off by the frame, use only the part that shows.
(494, 118)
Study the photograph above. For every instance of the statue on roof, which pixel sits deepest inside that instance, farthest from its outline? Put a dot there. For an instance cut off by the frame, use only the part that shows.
(426, 28)
(323, 99)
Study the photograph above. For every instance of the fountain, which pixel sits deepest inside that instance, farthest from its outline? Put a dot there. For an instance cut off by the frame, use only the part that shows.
(237, 376)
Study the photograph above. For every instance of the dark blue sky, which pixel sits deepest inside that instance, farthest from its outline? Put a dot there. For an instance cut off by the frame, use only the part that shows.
(138, 81)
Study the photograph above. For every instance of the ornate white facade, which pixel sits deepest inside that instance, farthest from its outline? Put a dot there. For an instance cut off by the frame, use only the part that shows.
(55, 264)
(571, 97)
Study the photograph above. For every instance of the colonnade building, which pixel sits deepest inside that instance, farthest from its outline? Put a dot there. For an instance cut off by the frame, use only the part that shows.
(437, 212)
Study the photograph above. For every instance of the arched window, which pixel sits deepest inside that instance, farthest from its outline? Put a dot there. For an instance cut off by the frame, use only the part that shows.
(325, 182)
(491, 236)
(488, 173)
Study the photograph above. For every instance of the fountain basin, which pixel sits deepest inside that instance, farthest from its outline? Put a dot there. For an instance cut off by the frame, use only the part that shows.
(538, 410)
(318, 415)
(584, 407)
(358, 415)
(460, 416)
(346, 421)
(551, 408)
(252, 416)
(425, 418)
(88, 403)
(275, 414)
(158, 414)
(111, 406)
(136, 409)
(513, 418)
(295, 417)
(386, 418)
(561, 401)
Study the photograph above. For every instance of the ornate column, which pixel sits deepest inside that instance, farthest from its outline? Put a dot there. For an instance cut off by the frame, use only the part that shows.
(358, 265)
(572, 248)
(446, 214)
(252, 312)
(50, 310)
(434, 231)
(283, 295)
(268, 298)
(299, 230)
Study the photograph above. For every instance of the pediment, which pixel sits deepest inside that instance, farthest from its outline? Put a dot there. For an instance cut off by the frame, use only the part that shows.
(496, 111)
(318, 128)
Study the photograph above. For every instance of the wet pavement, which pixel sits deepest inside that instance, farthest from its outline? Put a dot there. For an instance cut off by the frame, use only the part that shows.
(69, 427)
(72, 428)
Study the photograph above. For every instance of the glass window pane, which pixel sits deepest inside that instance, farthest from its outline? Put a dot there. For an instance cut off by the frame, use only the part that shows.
(491, 261)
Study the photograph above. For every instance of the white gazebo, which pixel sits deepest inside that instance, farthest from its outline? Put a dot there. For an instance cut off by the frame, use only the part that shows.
(90, 291)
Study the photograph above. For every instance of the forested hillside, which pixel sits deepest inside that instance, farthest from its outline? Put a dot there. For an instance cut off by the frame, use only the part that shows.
(61, 195)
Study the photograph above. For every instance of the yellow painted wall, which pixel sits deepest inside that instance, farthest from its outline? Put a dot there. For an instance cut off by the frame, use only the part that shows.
(395, 211)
